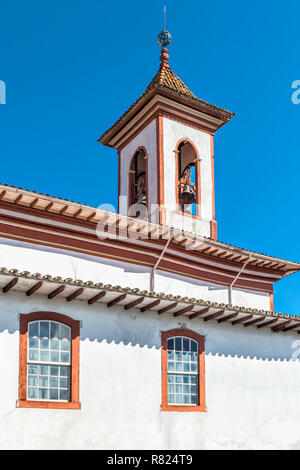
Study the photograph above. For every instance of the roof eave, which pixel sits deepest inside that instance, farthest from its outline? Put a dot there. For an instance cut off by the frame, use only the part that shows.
(197, 104)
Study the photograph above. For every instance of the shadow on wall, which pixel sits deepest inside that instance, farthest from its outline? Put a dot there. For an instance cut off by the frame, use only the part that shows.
(142, 330)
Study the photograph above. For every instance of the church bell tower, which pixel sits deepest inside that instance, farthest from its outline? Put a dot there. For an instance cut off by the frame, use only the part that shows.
(165, 144)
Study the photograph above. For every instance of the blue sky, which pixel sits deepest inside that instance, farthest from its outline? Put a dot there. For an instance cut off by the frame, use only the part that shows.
(72, 68)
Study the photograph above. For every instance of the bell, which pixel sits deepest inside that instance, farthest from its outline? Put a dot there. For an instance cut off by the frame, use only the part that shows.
(187, 190)
(188, 196)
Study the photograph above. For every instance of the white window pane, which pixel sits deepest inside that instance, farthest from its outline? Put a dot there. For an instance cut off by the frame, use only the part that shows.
(53, 394)
(65, 345)
(178, 356)
(65, 356)
(171, 398)
(44, 343)
(32, 393)
(54, 333)
(32, 380)
(33, 354)
(33, 342)
(54, 370)
(64, 394)
(33, 329)
(53, 381)
(44, 329)
(44, 381)
(54, 356)
(43, 393)
(64, 371)
(54, 344)
(194, 357)
(44, 356)
(43, 370)
(65, 332)
(64, 382)
(32, 369)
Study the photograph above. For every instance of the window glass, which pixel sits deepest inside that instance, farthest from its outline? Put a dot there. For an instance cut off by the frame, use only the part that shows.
(49, 361)
(182, 371)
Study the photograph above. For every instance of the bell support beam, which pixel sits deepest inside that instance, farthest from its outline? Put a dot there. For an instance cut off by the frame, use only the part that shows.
(151, 305)
(167, 308)
(198, 314)
(182, 311)
(116, 300)
(56, 292)
(214, 315)
(10, 285)
(74, 294)
(134, 303)
(34, 288)
(96, 297)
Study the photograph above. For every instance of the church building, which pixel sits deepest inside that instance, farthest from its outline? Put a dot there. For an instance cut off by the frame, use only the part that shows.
(138, 329)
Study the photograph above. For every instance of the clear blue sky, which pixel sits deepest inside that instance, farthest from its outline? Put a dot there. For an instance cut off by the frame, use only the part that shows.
(72, 68)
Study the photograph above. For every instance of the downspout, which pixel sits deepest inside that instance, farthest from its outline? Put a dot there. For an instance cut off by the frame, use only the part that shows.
(157, 263)
(235, 279)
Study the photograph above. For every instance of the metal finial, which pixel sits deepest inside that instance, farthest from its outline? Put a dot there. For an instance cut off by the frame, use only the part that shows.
(164, 37)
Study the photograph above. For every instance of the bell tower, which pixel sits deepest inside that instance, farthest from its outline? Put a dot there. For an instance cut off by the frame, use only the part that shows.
(165, 144)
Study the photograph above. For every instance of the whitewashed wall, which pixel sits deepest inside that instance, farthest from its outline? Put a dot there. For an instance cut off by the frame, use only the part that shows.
(147, 139)
(252, 385)
(172, 132)
(44, 260)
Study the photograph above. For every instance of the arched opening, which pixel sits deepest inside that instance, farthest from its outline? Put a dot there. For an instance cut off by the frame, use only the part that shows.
(138, 191)
(187, 176)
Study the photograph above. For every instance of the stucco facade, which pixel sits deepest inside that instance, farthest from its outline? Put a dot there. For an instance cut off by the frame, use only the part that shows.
(98, 309)
(252, 379)
(252, 386)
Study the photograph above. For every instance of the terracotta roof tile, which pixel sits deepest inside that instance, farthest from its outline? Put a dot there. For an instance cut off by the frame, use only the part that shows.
(165, 77)
(167, 80)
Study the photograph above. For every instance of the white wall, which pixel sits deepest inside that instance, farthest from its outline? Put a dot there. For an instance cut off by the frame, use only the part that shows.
(44, 260)
(172, 132)
(146, 138)
(252, 385)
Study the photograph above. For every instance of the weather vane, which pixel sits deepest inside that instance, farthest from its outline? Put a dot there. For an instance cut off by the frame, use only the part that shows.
(164, 37)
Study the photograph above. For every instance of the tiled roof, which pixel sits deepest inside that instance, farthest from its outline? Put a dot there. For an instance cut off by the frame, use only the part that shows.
(165, 77)
(166, 80)
(14, 194)
(157, 302)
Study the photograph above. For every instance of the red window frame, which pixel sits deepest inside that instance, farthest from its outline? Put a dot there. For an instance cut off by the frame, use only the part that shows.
(165, 335)
(25, 319)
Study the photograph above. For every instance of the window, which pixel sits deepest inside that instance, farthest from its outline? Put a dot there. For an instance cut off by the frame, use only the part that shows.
(182, 371)
(49, 361)
(188, 178)
(138, 185)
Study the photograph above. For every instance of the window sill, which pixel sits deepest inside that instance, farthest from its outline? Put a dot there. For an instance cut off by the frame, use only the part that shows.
(49, 405)
(180, 408)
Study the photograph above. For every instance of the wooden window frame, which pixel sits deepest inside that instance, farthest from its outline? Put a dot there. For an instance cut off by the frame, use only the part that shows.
(25, 319)
(165, 335)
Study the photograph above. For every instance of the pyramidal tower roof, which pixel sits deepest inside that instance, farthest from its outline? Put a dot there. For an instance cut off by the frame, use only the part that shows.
(166, 78)
(166, 83)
